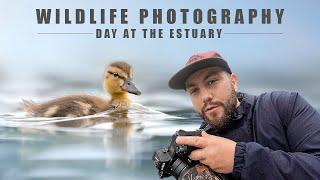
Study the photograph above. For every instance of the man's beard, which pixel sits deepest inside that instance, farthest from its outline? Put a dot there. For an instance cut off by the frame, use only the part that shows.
(223, 123)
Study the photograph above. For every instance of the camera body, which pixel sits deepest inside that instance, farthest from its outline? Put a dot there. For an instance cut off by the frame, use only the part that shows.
(173, 160)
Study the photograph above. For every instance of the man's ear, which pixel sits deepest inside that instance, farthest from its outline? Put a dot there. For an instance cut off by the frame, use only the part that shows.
(234, 81)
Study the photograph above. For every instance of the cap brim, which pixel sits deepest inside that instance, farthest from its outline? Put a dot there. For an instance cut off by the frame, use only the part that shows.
(178, 80)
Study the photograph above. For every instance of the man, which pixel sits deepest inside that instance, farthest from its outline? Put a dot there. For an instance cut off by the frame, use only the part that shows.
(271, 136)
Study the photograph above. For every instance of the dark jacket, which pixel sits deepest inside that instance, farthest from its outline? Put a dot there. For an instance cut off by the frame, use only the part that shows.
(277, 135)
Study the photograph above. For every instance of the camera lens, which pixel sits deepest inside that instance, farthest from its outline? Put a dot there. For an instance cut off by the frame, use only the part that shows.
(178, 167)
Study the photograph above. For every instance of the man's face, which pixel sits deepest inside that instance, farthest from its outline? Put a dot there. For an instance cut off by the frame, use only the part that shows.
(213, 95)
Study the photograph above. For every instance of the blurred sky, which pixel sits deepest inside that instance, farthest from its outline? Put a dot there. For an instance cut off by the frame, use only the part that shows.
(289, 61)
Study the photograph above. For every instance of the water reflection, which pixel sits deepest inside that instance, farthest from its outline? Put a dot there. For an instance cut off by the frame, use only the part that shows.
(101, 146)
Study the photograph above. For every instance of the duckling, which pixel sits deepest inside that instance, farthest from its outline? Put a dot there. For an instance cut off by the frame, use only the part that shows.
(117, 82)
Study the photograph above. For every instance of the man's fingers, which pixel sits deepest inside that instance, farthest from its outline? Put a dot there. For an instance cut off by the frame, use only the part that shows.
(204, 134)
(197, 155)
(195, 141)
(204, 161)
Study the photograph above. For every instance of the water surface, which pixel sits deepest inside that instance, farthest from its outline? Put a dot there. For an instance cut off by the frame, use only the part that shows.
(100, 146)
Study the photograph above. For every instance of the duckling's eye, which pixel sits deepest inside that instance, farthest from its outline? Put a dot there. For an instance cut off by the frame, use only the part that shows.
(116, 75)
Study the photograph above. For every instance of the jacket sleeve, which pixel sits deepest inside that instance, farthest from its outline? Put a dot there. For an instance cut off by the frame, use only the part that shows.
(254, 161)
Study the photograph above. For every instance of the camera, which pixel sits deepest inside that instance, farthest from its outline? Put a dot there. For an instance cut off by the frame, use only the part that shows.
(173, 160)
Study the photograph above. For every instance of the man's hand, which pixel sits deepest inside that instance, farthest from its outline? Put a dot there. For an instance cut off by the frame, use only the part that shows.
(215, 152)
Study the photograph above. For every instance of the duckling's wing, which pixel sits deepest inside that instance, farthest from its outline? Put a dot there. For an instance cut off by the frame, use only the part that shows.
(75, 105)
(29, 106)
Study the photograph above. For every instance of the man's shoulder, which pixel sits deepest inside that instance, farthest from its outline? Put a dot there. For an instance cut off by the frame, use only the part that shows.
(281, 102)
(275, 97)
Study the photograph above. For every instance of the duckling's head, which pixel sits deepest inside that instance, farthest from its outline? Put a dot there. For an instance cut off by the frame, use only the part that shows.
(118, 79)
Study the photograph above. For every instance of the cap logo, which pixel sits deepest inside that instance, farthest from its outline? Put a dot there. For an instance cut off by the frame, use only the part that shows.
(194, 58)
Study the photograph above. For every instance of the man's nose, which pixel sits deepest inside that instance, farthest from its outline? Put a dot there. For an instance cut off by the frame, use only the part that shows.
(206, 96)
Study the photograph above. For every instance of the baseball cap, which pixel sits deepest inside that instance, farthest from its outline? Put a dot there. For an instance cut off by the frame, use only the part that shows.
(196, 62)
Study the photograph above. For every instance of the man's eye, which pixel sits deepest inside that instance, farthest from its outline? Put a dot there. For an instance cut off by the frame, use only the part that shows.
(211, 82)
(193, 91)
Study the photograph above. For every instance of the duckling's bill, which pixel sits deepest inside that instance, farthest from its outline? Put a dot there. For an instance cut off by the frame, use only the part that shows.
(130, 87)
